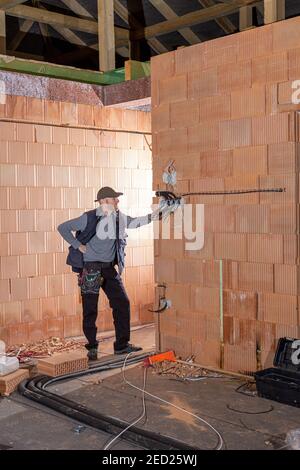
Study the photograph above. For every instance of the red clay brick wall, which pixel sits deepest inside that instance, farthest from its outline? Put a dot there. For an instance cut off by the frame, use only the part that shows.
(222, 110)
(50, 173)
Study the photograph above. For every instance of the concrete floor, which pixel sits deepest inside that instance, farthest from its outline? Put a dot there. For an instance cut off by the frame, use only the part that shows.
(245, 422)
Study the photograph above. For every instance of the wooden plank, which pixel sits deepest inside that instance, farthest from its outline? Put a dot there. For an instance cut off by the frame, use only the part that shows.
(106, 37)
(190, 19)
(122, 12)
(246, 18)
(168, 13)
(2, 33)
(135, 69)
(224, 23)
(46, 69)
(274, 11)
(6, 4)
(71, 22)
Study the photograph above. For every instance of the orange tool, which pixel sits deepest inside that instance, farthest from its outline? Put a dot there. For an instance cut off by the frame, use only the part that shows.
(166, 356)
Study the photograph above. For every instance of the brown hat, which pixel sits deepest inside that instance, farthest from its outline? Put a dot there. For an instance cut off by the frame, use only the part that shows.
(105, 192)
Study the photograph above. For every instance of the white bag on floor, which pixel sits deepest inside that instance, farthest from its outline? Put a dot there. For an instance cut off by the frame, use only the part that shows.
(7, 364)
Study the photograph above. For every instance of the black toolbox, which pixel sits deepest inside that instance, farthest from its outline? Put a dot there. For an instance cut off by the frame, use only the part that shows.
(282, 382)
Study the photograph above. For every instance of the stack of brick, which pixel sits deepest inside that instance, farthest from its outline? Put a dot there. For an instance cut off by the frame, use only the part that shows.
(223, 111)
(54, 158)
(10, 382)
(63, 363)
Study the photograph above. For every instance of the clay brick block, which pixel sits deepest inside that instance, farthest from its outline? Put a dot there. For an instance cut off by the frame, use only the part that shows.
(293, 64)
(72, 326)
(136, 141)
(34, 109)
(37, 287)
(207, 184)
(265, 248)
(235, 133)
(69, 113)
(239, 359)
(272, 98)
(202, 83)
(18, 244)
(9, 267)
(19, 289)
(192, 58)
(4, 244)
(77, 177)
(234, 76)
(144, 120)
(283, 158)
(283, 218)
(162, 67)
(278, 308)
(55, 326)
(37, 331)
(16, 107)
(273, 68)
(10, 382)
(53, 154)
(85, 115)
(8, 175)
(207, 352)
(46, 263)
(231, 246)
(60, 135)
(190, 271)
(285, 92)
(36, 242)
(17, 152)
(28, 265)
(44, 176)
(4, 291)
(48, 306)
(174, 142)
(67, 305)
(179, 294)
(214, 108)
(36, 198)
(129, 121)
(63, 363)
(54, 198)
(291, 249)
(161, 118)
(240, 304)
(173, 89)
(107, 139)
(249, 102)
(4, 152)
(219, 218)
(211, 273)
(17, 198)
(25, 175)
(252, 219)
(287, 279)
(205, 299)
(25, 132)
(286, 34)
(255, 277)
(54, 242)
(203, 137)
(43, 134)
(288, 182)
(12, 312)
(184, 113)
(9, 221)
(26, 220)
(255, 42)
(36, 153)
(212, 163)
(271, 129)
(30, 311)
(52, 111)
(7, 131)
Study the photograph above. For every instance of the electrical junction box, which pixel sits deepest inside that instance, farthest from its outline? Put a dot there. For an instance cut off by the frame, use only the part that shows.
(282, 382)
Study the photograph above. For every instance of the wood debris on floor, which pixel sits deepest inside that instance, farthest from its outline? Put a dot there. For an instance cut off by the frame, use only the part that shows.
(187, 371)
(44, 348)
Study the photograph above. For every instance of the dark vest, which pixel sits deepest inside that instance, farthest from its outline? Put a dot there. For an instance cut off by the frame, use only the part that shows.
(75, 257)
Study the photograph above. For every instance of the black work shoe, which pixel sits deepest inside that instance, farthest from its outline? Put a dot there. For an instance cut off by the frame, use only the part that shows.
(93, 354)
(129, 349)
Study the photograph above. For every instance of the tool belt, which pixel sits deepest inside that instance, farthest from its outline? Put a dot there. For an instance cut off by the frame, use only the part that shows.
(91, 279)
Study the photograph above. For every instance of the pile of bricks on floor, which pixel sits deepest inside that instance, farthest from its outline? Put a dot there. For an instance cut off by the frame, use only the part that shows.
(223, 111)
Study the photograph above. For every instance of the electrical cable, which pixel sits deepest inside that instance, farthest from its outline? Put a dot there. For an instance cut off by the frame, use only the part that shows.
(220, 439)
(250, 412)
(138, 419)
(236, 191)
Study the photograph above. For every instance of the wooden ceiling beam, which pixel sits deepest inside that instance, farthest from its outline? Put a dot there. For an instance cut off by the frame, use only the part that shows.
(196, 17)
(224, 23)
(165, 10)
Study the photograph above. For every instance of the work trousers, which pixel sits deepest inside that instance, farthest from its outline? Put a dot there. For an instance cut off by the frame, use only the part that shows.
(110, 281)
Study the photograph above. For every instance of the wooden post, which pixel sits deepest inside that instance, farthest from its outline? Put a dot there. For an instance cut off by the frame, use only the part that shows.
(246, 18)
(274, 10)
(106, 35)
(2, 33)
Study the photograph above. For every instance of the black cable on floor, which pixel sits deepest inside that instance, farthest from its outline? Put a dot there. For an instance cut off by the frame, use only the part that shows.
(250, 412)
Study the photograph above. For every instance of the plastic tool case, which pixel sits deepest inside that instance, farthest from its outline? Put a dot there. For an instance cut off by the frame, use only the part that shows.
(282, 382)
